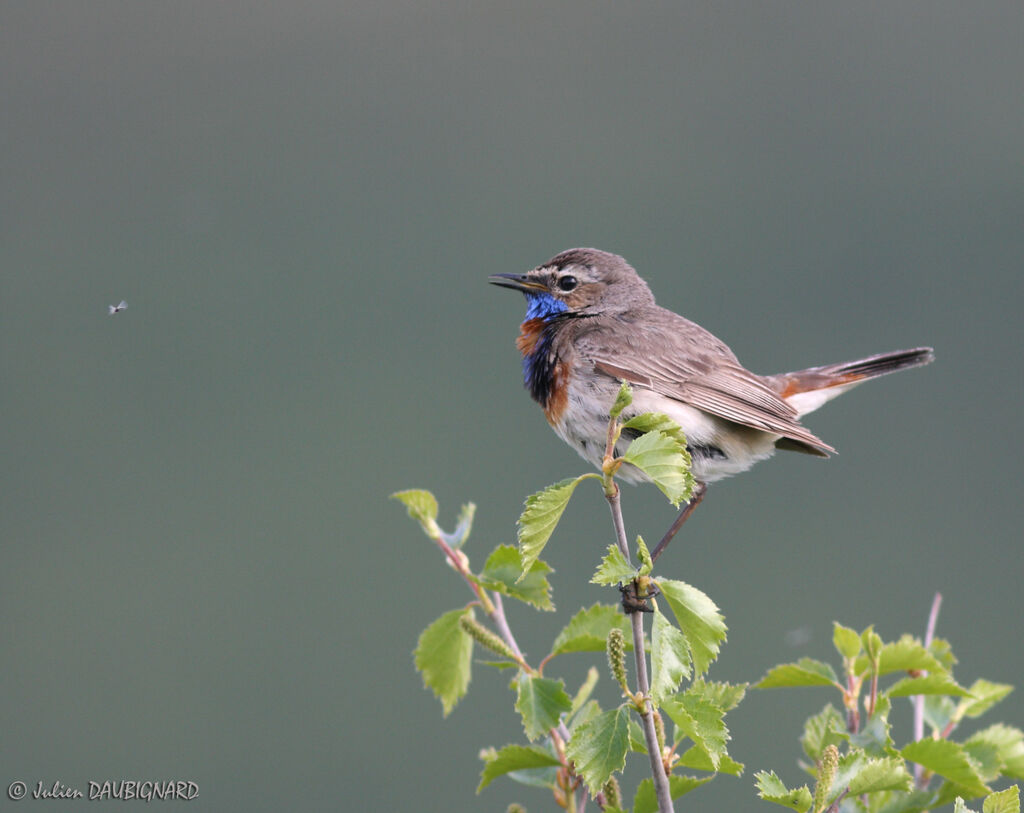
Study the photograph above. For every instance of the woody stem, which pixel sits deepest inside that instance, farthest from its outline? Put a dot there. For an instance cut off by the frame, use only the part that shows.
(661, 786)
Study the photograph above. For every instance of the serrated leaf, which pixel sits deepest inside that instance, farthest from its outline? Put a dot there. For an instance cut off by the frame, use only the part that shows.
(846, 641)
(587, 689)
(805, 672)
(1003, 801)
(515, 758)
(657, 422)
(503, 573)
(959, 806)
(540, 518)
(598, 747)
(905, 655)
(443, 656)
(771, 789)
(872, 642)
(614, 569)
(540, 702)
(697, 758)
(646, 800)
(698, 618)
(937, 683)
(942, 650)
(701, 721)
(622, 400)
(422, 507)
(637, 740)
(587, 631)
(670, 657)
(873, 736)
(827, 727)
(986, 757)
(880, 774)
(985, 695)
(1009, 743)
(724, 695)
(915, 801)
(587, 711)
(948, 760)
(662, 458)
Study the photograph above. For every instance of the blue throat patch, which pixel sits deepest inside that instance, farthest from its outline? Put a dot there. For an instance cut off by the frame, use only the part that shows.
(543, 306)
(539, 366)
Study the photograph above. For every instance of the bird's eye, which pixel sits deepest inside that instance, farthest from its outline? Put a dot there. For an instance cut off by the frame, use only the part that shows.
(567, 283)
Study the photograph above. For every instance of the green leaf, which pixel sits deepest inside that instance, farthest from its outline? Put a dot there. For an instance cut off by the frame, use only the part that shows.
(614, 569)
(587, 689)
(503, 573)
(701, 721)
(698, 618)
(422, 507)
(540, 517)
(1004, 801)
(827, 727)
(805, 672)
(637, 740)
(905, 655)
(646, 800)
(657, 422)
(541, 703)
(876, 775)
(598, 747)
(443, 656)
(874, 737)
(587, 631)
(670, 657)
(699, 759)
(959, 806)
(771, 789)
(846, 641)
(665, 460)
(986, 756)
(985, 695)
(588, 711)
(948, 760)
(937, 683)
(514, 758)
(622, 400)
(724, 695)
(1009, 744)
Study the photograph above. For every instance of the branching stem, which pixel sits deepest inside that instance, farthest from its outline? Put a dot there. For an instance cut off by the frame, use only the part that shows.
(661, 786)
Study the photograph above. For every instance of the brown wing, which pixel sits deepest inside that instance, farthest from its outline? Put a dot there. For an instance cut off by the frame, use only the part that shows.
(679, 359)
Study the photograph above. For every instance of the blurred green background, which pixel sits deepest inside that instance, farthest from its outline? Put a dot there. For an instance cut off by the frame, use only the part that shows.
(202, 577)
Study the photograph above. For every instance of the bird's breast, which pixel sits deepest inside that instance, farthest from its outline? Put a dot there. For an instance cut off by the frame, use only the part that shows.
(545, 375)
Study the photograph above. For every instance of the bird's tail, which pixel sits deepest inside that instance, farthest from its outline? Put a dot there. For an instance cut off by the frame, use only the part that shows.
(806, 390)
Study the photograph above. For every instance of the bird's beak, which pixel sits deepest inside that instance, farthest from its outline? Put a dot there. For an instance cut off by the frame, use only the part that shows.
(517, 282)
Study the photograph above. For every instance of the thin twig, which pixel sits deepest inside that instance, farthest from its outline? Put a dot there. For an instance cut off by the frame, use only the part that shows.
(661, 786)
(929, 635)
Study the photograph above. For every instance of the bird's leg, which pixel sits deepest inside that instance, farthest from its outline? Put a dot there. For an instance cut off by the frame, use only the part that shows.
(698, 494)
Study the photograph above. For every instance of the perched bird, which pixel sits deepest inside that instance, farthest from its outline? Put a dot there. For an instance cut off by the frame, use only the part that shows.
(591, 322)
(112, 309)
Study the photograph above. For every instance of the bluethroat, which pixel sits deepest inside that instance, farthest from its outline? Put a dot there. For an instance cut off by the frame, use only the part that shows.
(591, 322)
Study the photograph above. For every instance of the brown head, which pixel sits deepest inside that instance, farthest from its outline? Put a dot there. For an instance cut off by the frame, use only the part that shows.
(581, 280)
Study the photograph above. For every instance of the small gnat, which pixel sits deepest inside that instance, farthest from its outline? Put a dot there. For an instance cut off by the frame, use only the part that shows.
(112, 309)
